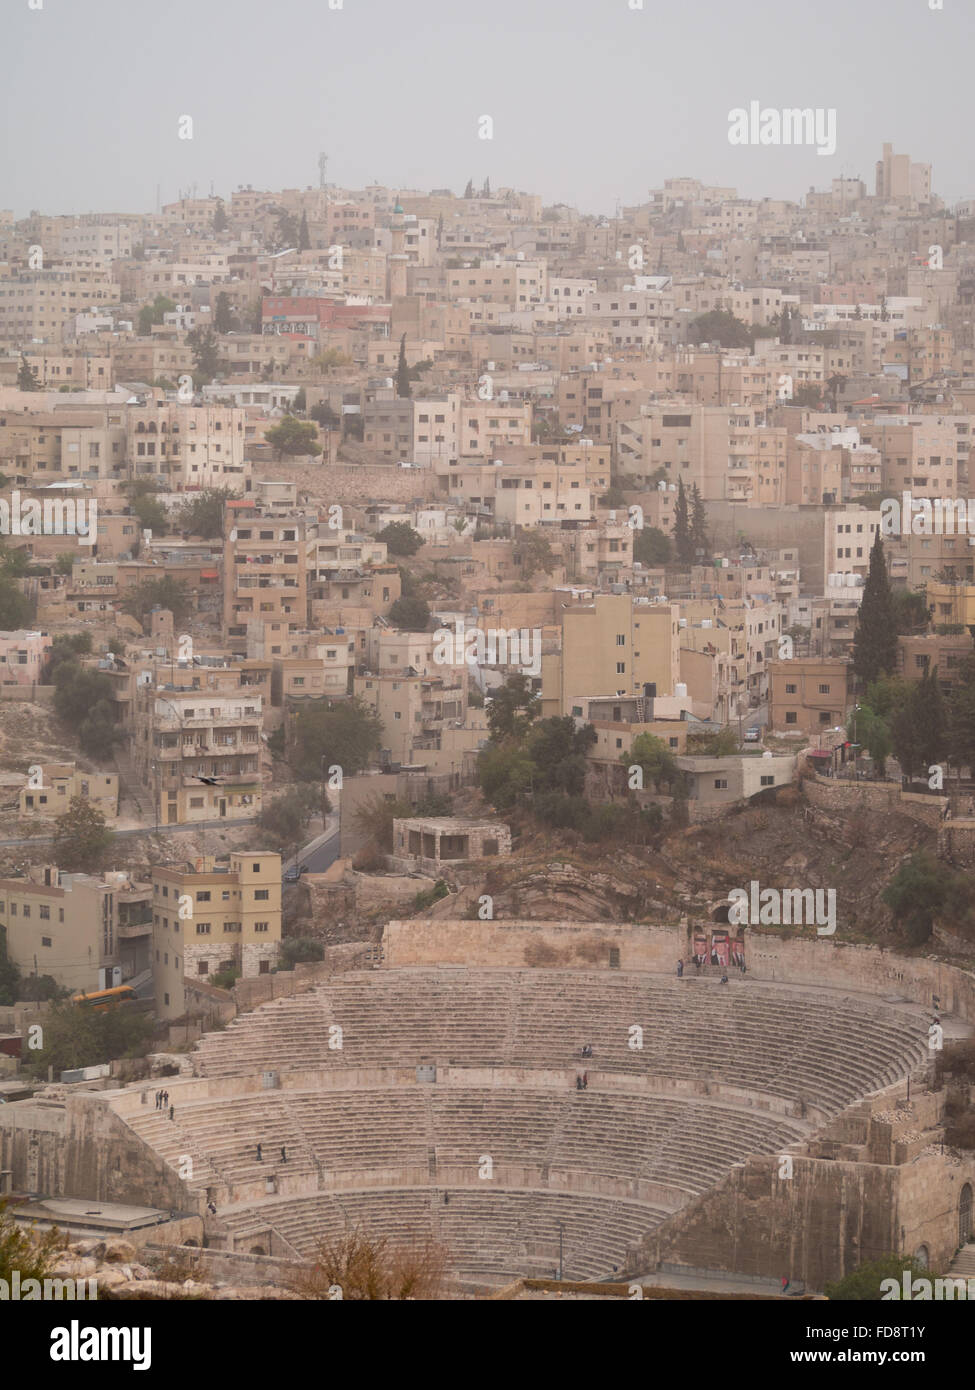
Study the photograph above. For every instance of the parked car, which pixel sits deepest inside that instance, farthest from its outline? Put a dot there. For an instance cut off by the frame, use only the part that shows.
(293, 874)
(753, 735)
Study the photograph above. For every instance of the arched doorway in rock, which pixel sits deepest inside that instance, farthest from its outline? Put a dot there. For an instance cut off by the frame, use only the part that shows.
(922, 1256)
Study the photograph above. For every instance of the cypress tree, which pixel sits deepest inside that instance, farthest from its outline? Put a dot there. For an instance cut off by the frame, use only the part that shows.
(304, 237)
(875, 639)
(27, 379)
(699, 523)
(682, 527)
(933, 717)
(403, 388)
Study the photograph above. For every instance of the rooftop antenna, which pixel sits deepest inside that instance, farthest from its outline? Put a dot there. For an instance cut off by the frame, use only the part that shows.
(322, 169)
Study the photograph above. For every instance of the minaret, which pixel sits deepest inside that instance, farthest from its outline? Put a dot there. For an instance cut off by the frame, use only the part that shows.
(398, 260)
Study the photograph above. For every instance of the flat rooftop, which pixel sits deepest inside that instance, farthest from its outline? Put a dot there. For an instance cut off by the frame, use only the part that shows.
(75, 1212)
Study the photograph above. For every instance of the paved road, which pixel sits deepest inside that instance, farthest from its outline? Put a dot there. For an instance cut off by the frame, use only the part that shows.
(320, 852)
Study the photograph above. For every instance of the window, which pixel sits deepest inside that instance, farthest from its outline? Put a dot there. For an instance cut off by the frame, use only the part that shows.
(44, 912)
(824, 690)
(203, 928)
(262, 895)
(720, 784)
(260, 926)
(203, 896)
(45, 941)
(791, 689)
(791, 717)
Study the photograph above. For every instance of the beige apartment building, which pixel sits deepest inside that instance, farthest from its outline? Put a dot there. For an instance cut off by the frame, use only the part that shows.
(488, 427)
(617, 645)
(920, 453)
(59, 783)
(516, 284)
(187, 447)
(809, 694)
(689, 442)
(210, 916)
(89, 933)
(198, 752)
(265, 569)
(41, 305)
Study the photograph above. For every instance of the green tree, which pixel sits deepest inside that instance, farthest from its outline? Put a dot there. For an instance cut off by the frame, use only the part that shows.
(699, 525)
(82, 840)
(297, 949)
(910, 608)
(27, 378)
(721, 743)
(875, 639)
(220, 217)
(403, 387)
(164, 592)
(300, 403)
(152, 515)
(153, 313)
(293, 436)
(834, 386)
(325, 416)
(915, 895)
(67, 647)
(613, 497)
(864, 1284)
(31, 1252)
(933, 719)
(284, 819)
(304, 238)
(651, 546)
(400, 538)
(683, 542)
(202, 513)
(654, 757)
(504, 772)
(76, 1036)
(288, 231)
(77, 688)
(961, 716)
(720, 326)
(328, 734)
(16, 608)
(409, 613)
(511, 708)
(532, 552)
(919, 728)
(206, 354)
(223, 319)
(872, 732)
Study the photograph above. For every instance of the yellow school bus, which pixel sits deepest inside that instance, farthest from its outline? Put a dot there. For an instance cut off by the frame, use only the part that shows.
(102, 999)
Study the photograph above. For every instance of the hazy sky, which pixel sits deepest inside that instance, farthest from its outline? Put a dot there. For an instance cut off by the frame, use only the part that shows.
(591, 101)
